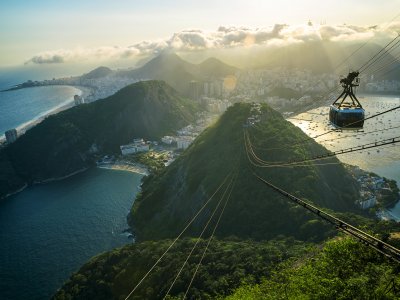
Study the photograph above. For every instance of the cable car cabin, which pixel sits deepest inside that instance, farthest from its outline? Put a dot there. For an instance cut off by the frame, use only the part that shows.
(346, 116)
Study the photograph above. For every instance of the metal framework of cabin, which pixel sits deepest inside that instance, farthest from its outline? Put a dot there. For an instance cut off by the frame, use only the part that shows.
(352, 80)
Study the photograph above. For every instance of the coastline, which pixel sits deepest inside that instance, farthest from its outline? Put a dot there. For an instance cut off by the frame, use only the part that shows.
(43, 182)
(125, 166)
(15, 192)
(60, 178)
(68, 103)
(385, 214)
(119, 165)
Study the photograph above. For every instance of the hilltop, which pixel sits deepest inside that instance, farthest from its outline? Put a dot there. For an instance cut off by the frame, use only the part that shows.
(65, 143)
(97, 73)
(254, 211)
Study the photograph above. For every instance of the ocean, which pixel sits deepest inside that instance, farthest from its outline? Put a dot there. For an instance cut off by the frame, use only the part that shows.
(22, 107)
(49, 231)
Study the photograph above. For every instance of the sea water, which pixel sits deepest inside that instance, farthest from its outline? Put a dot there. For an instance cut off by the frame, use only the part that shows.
(20, 107)
(384, 161)
(48, 231)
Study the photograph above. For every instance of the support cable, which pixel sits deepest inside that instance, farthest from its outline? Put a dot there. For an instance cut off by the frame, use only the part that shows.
(199, 237)
(176, 239)
(327, 140)
(211, 237)
(369, 240)
(270, 164)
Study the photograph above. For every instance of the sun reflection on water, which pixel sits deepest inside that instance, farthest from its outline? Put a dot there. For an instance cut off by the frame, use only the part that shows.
(383, 159)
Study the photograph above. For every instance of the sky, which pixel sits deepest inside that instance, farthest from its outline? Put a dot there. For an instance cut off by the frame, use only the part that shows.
(34, 31)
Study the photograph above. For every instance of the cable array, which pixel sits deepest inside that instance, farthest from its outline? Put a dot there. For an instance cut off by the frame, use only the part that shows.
(177, 238)
(369, 240)
(200, 236)
(209, 240)
(363, 45)
(270, 164)
(358, 133)
(393, 44)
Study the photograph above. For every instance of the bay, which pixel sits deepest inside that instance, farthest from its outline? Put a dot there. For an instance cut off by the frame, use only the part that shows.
(48, 231)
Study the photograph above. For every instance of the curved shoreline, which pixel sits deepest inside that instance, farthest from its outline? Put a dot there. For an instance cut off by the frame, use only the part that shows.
(119, 166)
(68, 103)
(125, 166)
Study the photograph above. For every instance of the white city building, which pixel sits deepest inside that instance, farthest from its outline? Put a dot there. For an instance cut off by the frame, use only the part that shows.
(138, 145)
(167, 140)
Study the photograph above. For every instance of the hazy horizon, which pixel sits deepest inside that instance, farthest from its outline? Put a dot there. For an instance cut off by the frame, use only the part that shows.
(121, 33)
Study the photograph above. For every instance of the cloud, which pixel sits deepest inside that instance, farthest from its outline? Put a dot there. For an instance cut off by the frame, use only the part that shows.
(47, 58)
(223, 38)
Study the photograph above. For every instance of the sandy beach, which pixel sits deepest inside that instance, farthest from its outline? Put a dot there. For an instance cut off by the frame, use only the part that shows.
(125, 166)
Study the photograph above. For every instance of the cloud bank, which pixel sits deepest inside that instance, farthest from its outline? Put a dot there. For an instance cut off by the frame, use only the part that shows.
(223, 38)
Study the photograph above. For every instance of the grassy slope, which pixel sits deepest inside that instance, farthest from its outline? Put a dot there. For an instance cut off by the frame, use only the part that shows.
(169, 200)
(343, 269)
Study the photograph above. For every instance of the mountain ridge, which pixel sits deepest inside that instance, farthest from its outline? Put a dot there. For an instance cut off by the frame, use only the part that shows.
(178, 72)
(168, 201)
(64, 143)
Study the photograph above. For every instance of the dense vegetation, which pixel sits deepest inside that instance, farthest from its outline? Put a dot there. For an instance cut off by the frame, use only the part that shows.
(254, 211)
(278, 269)
(113, 275)
(343, 269)
(65, 142)
(256, 253)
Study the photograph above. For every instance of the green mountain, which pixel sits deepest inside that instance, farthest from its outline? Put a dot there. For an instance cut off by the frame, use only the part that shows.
(112, 275)
(65, 143)
(178, 73)
(255, 252)
(254, 211)
(342, 269)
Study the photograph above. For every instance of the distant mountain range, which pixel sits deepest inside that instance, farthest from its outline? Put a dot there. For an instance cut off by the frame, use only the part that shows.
(178, 72)
(319, 57)
(65, 143)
